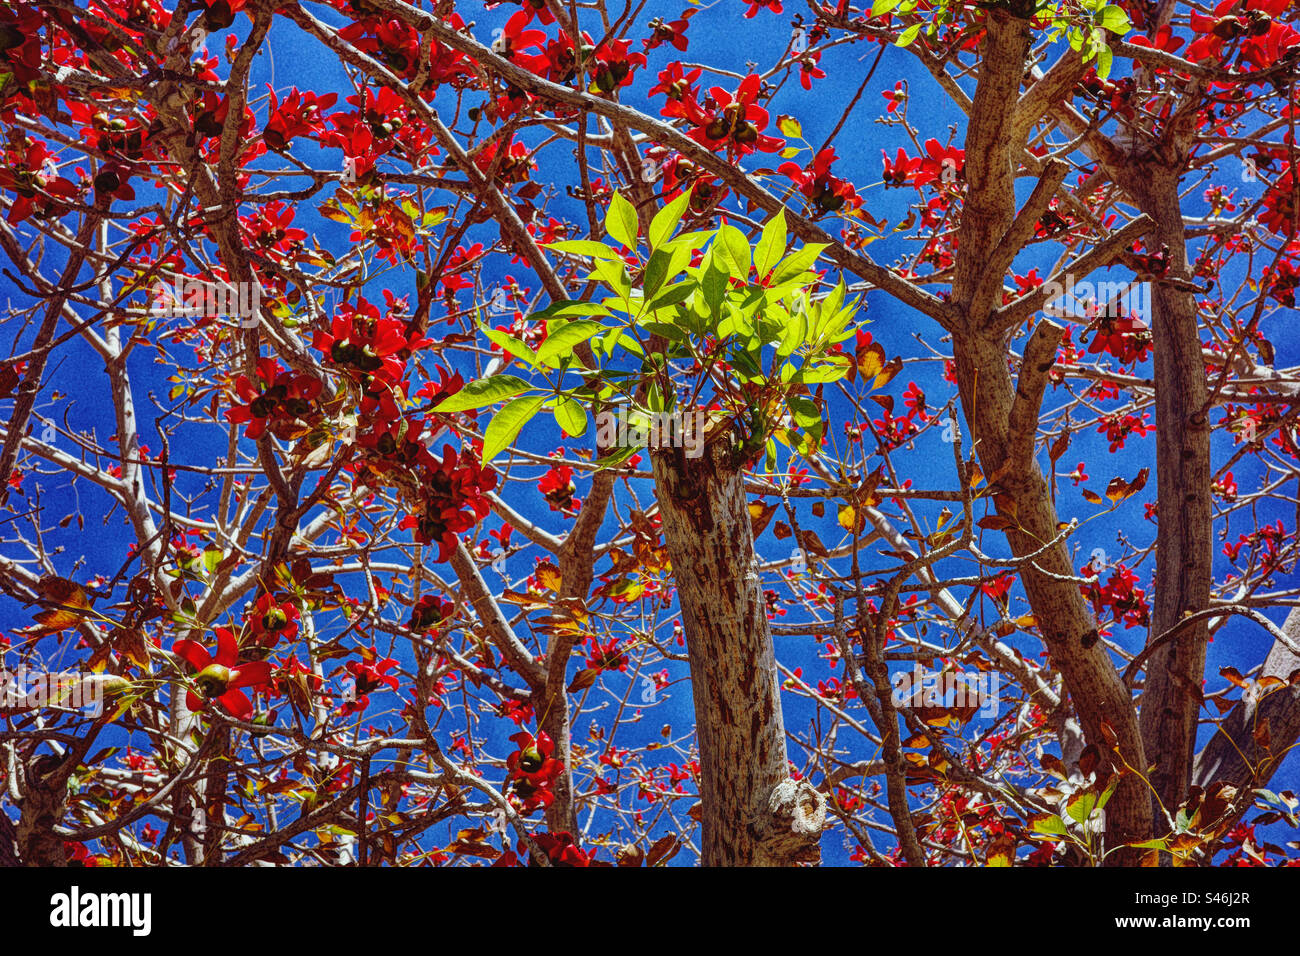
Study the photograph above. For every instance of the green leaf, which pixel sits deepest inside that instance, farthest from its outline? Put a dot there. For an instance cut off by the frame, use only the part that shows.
(908, 35)
(826, 371)
(796, 333)
(796, 262)
(805, 411)
(1115, 19)
(507, 423)
(789, 126)
(1080, 806)
(614, 275)
(569, 308)
(883, 6)
(733, 247)
(620, 221)
(1107, 794)
(1049, 824)
(512, 345)
(482, 392)
(656, 271)
(560, 342)
(584, 247)
(616, 457)
(671, 296)
(670, 332)
(1104, 57)
(571, 416)
(714, 290)
(771, 245)
(666, 220)
(1159, 844)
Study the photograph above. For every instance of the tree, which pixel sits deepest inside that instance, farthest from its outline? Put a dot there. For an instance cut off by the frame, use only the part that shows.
(348, 607)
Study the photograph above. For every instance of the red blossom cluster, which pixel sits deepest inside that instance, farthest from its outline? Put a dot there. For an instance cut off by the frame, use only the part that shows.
(533, 770)
(826, 192)
(1119, 596)
(283, 402)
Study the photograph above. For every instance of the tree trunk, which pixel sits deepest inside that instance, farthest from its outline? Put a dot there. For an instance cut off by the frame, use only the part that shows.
(1171, 698)
(753, 814)
(1062, 615)
(8, 843)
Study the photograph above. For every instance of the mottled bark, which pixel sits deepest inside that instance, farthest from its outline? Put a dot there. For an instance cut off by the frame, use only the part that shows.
(1171, 698)
(752, 814)
(45, 795)
(8, 843)
(577, 561)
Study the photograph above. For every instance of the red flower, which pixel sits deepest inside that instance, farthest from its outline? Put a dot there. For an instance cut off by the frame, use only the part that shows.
(20, 52)
(736, 121)
(809, 70)
(942, 163)
(430, 611)
(284, 400)
(370, 674)
(219, 677)
(298, 115)
(560, 849)
(29, 171)
(999, 587)
(1163, 40)
(448, 384)
(914, 399)
(367, 345)
(531, 8)
(558, 488)
(895, 97)
(1125, 337)
(451, 500)
(1118, 427)
(607, 656)
(533, 770)
(1280, 211)
(613, 67)
(679, 86)
(515, 166)
(1126, 603)
(272, 621)
(672, 32)
(755, 5)
(826, 192)
(901, 171)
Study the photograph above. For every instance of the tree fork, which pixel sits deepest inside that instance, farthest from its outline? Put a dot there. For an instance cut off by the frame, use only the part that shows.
(1068, 629)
